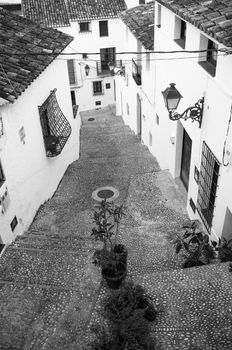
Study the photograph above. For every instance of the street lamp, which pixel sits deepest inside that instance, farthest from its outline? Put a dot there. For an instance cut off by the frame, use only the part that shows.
(172, 98)
(87, 69)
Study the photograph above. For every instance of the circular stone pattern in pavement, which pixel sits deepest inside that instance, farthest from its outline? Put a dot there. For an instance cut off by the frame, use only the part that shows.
(91, 119)
(107, 192)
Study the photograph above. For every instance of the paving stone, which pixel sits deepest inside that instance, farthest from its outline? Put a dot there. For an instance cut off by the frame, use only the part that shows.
(51, 293)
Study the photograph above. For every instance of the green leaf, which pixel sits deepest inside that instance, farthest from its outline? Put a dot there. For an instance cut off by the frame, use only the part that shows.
(178, 247)
(186, 246)
(187, 234)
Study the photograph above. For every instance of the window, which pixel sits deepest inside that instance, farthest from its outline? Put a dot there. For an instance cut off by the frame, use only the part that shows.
(157, 119)
(98, 103)
(158, 22)
(208, 179)
(55, 127)
(136, 72)
(127, 109)
(73, 98)
(84, 27)
(208, 60)
(84, 56)
(180, 32)
(106, 55)
(72, 72)
(97, 88)
(103, 28)
(141, 2)
(107, 85)
(2, 176)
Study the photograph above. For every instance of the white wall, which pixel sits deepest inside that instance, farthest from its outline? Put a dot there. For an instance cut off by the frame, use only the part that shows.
(31, 177)
(92, 42)
(193, 82)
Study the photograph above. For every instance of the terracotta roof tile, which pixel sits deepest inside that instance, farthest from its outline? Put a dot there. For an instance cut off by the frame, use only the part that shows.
(51, 13)
(215, 16)
(55, 13)
(26, 49)
(91, 9)
(140, 21)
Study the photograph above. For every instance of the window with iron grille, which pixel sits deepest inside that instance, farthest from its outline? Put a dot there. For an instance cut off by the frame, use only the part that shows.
(84, 26)
(55, 127)
(71, 72)
(97, 87)
(207, 189)
(103, 28)
(2, 176)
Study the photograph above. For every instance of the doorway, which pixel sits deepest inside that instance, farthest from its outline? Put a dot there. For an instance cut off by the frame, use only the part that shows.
(186, 159)
(139, 117)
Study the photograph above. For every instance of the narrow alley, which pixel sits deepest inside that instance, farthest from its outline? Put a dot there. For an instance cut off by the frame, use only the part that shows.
(50, 292)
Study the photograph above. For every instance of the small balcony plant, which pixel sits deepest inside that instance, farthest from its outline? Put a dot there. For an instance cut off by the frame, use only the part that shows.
(112, 258)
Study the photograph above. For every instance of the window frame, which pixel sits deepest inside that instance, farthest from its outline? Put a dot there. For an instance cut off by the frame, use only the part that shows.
(96, 90)
(208, 61)
(2, 175)
(207, 185)
(180, 32)
(84, 30)
(103, 31)
(72, 72)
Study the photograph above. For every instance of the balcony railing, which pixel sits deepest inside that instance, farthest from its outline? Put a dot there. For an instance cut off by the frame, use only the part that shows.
(136, 73)
(103, 68)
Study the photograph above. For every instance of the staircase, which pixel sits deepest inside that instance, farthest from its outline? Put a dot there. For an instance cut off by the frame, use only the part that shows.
(50, 291)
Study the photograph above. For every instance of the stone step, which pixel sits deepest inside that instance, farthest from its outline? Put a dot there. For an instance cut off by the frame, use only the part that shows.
(39, 266)
(67, 243)
(193, 307)
(113, 132)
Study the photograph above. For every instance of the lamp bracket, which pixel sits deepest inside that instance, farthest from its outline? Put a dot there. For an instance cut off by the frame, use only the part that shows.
(195, 113)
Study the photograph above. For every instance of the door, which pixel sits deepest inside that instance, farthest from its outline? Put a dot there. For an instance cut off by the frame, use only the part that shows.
(139, 116)
(186, 159)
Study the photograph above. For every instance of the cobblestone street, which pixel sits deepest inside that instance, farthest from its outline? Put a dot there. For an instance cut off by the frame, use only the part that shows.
(50, 291)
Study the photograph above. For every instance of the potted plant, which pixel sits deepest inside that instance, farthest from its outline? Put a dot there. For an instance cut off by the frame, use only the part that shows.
(130, 298)
(112, 258)
(224, 249)
(129, 311)
(194, 245)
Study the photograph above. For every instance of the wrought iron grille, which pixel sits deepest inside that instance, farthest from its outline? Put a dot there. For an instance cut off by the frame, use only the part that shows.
(208, 182)
(55, 127)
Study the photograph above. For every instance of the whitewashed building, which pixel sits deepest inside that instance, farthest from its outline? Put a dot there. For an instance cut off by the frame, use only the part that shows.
(95, 26)
(38, 130)
(197, 150)
(135, 88)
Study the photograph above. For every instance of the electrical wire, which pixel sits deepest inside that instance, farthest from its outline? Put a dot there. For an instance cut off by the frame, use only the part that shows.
(225, 51)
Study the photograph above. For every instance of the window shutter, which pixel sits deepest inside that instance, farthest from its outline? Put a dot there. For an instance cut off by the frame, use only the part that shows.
(71, 72)
(103, 27)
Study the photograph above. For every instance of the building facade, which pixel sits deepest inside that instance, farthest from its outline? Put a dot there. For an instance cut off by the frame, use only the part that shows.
(135, 88)
(95, 26)
(192, 49)
(38, 130)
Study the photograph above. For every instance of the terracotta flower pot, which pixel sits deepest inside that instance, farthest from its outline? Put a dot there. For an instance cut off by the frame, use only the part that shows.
(114, 277)
(121, 253)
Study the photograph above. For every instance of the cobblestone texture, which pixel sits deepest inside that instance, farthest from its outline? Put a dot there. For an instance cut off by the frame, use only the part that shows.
(51, 293)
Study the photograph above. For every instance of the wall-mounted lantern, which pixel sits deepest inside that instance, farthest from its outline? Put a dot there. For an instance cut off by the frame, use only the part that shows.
(172, 98)
(87, 69)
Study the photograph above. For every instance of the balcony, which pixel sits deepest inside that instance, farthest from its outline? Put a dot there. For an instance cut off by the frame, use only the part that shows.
(137, 72)
(103, 68)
